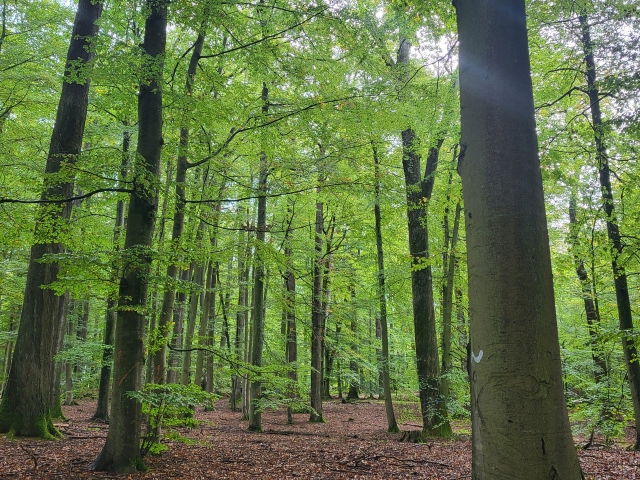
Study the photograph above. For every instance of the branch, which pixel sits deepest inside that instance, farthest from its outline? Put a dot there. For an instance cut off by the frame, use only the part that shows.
(268, 37)
(66, 200)
(271, 195)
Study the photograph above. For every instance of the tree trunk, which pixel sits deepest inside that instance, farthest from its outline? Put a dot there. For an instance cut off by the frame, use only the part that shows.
(241, 316)
(102, 409)
(258, 314)
(192, 316)
(588, 297)
(447, 299)
(178, 329)
(625, 315)
(168, 300)
(121, 452)
(353, 393)
(25, 404)
(317, 334)
(418, 192)
(207, 296)
(382, 298)
(519, 415)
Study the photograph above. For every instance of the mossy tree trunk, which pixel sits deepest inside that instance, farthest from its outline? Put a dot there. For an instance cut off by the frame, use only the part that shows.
(519, 415)
(25, 406)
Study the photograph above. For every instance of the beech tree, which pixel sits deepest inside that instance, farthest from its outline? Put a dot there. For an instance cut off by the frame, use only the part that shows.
(516, 380)
(25, 404)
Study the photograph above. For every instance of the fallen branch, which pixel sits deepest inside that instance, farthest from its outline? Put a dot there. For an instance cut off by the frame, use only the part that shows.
(30, 453)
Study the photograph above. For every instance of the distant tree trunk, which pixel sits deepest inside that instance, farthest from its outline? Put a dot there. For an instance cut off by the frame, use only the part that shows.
(625, 314)
(354, 393)
(178, 330)
(258, 314)
(121, 452)
(102, 409)
(241, 316)
(317, 334)
(207, 296)
(451, 259)
(192, 316)
(519, 416)
(588, 297)
(291, 345)
(68, 366)
(25, 404)
(168, 300)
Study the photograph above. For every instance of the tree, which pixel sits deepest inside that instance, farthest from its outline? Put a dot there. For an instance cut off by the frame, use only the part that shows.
(121, 452)
(625, 315)
(24, 409)
(519, 417)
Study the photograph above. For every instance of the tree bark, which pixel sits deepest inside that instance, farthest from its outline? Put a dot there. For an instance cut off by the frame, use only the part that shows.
(25, 405)
(173, 370)
(121, 452)
(625, 315)
(519, 415)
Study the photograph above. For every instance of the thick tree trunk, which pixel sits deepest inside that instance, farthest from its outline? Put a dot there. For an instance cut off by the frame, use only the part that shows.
(121, 452)
(519, 415)
(382, 298)
(625, 315)
(25, 404)
(102, 409)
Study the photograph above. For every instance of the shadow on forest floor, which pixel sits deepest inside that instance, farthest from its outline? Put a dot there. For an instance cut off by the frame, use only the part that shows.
(353, 443)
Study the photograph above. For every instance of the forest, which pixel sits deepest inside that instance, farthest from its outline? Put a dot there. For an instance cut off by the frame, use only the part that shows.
(410, 220)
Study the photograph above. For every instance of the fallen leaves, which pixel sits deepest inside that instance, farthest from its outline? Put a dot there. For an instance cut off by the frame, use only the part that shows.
(353, 444)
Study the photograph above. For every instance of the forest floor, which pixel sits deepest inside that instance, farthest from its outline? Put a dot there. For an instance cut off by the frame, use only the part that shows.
(353, 443)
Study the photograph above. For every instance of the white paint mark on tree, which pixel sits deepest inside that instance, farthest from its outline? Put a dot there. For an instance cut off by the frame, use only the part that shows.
(477, 358)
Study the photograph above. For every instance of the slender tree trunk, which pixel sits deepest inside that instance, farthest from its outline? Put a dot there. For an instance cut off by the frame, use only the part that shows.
(382, 298)
(102, 409)
(588, 297)
(121, 452)
(625, 314)
(519, 416)
(168, 300)
(241, 315)
(258, 314)
(25, 404)
(178, 329)
(447, 300)
(316, 318)
(291, 345)
(207, 295)
(354, 393)
(192, 316)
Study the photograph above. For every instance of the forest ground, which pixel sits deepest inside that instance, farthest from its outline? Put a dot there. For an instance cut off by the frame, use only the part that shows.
(353, 443)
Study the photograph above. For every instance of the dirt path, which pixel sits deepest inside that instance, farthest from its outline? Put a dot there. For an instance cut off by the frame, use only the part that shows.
(352, 444)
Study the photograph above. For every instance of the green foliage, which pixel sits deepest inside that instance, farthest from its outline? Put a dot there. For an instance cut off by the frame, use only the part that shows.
(169, 407)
